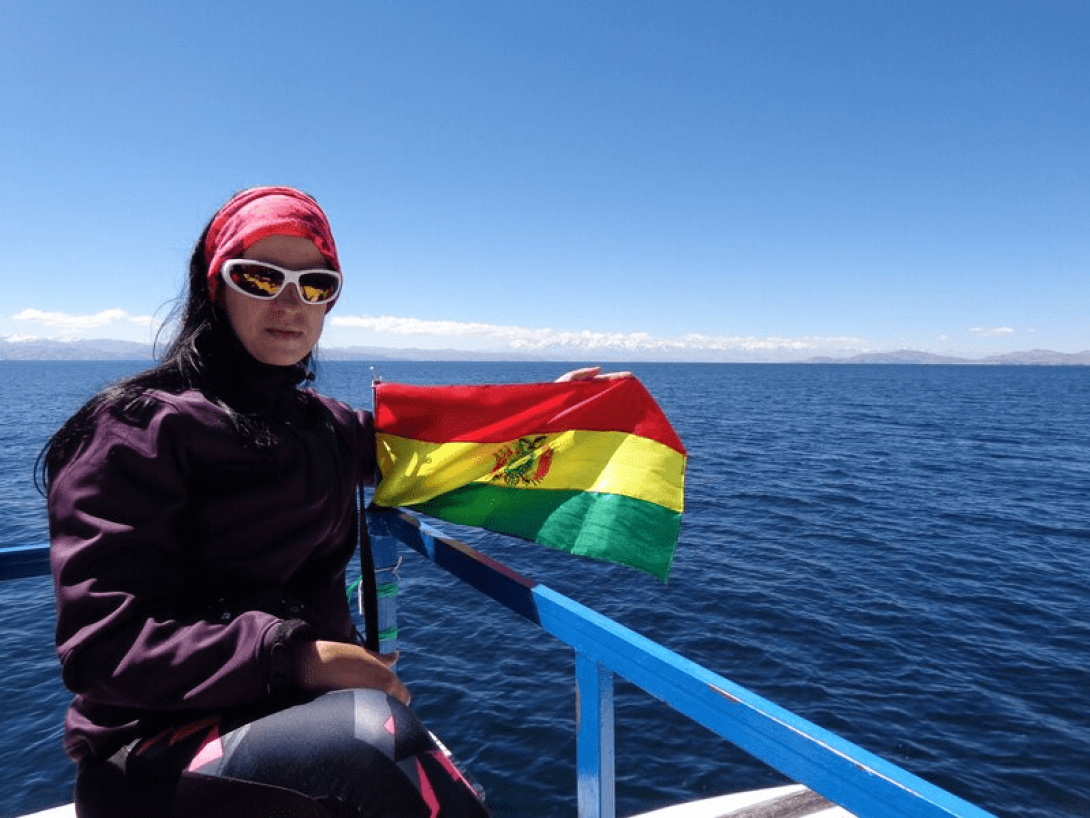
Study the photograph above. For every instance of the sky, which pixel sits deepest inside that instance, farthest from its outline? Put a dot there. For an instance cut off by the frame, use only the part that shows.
(576, 179)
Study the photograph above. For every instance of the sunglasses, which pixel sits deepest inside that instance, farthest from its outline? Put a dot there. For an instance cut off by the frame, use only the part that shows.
(259, 279)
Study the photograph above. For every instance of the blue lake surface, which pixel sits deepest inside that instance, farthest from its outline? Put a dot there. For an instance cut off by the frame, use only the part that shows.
(900, 554)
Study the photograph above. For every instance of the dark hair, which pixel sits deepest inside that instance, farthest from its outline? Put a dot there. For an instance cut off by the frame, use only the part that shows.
(203, 354)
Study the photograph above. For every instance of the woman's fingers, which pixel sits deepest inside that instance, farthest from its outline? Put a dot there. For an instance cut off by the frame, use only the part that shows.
(591, 373)
(321, 666)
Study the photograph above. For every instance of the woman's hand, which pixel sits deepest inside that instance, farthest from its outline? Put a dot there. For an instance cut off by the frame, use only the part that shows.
(321, 666)
(591, 373)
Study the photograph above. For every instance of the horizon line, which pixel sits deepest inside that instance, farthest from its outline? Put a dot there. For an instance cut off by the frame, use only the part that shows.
(142, 350)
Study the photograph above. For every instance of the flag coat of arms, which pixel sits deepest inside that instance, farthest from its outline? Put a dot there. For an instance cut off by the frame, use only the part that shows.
(589, 467)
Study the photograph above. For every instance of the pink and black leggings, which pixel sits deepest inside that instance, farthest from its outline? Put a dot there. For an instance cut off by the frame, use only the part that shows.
(347, 753)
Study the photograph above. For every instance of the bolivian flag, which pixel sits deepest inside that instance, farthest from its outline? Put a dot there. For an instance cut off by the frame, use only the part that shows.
(589, 467)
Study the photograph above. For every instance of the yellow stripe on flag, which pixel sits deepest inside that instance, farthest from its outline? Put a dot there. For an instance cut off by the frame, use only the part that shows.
(602, 462)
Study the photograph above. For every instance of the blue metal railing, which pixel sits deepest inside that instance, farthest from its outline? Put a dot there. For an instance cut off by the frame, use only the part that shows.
(24, 561)
(844, 773)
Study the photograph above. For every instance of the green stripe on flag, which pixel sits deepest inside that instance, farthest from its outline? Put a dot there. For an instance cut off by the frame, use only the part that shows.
(608, 527)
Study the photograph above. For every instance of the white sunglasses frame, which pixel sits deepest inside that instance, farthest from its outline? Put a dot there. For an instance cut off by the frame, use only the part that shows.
(290, 277)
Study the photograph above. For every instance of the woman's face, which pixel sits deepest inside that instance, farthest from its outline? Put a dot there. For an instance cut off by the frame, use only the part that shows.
(283, 331)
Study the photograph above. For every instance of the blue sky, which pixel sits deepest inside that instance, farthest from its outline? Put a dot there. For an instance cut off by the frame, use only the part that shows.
(587, 179)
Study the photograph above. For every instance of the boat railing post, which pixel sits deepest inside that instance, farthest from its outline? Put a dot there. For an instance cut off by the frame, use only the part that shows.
(384, 550)
(594, 738)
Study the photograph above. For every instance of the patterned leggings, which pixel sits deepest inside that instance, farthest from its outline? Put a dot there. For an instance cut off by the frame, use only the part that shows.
(347, 753)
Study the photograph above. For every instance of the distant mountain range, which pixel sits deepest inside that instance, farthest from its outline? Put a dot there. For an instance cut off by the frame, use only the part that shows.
(1033, 357)
(41, 349)
(110, 350)
(104, 349)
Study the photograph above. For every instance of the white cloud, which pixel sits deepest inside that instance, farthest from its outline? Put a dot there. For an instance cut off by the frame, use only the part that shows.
(530, 338)
(992, 332)
(78, 323)
(516, 338)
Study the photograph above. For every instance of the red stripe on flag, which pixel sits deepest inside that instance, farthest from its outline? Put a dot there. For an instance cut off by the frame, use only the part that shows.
(495, 413)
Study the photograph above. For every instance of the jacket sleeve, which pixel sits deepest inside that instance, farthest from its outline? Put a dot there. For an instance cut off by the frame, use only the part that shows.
(127, 635)
(357, 430)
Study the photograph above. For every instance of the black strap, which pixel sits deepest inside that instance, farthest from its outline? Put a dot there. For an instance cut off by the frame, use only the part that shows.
(367, 581)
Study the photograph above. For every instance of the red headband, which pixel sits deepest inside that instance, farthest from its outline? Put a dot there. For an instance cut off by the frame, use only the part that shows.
(260, 212)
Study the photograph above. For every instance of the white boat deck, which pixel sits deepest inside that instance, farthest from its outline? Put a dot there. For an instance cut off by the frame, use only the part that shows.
(792, 801)
(66, 811)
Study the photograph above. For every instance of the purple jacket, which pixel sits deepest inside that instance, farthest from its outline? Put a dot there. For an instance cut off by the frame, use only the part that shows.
(185, 562)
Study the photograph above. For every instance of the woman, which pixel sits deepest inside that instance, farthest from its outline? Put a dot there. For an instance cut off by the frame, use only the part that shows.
(202, 515)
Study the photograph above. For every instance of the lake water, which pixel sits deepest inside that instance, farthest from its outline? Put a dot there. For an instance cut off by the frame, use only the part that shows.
(900, 554)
